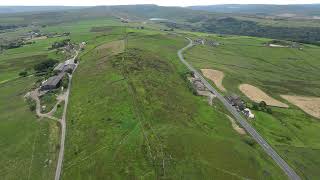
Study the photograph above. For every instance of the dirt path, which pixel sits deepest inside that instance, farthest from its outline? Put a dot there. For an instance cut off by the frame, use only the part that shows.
(60, 98)
(215, 76)
(35, 96)
(310, 105)
(236, 127)
(257, 95)
(64, 97)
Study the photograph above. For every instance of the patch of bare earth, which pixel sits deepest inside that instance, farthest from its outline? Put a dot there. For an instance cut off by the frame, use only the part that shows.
(39, 38)
(236, 127)
(215, 76)
(310, 105)
(257, 95)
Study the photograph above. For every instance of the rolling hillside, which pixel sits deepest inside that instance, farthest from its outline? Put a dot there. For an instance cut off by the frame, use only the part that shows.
(285, 11)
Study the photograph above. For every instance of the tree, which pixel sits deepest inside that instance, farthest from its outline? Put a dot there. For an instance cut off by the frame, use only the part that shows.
(255, 106)
(45, 65)
(269, 110)
(263, 104)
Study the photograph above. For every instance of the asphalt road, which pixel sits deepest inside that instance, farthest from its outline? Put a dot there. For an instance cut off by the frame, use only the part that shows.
(255, 135)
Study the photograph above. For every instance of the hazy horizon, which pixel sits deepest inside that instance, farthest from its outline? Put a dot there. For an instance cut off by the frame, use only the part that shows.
(156, 2)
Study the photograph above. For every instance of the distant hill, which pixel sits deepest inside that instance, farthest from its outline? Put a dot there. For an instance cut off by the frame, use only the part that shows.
(259, 9)
(22, 9)
(236, 23)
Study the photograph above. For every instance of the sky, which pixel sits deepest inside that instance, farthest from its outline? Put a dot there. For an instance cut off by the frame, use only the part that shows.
(158, 2)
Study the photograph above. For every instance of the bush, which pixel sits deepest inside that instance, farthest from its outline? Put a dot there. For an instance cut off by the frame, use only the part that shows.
(62, 43)
(32, 105)
(263, 104)
(65, 82)
(269, 110)
(23, 73)
(249, 141)
(255, 106)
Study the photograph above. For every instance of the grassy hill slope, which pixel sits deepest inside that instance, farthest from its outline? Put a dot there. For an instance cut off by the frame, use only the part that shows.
(132, 115)
(276, 71)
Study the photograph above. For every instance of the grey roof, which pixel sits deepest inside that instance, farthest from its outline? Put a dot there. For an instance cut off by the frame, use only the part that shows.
(54, 80)
(59, 67)
(68, 66)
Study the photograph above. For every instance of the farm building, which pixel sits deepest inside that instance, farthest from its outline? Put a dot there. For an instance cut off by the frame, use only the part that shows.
(59, 67)
(199, 41)
(247, 112)
(197, 83)
(66, 66)
(52, 83)
(236, 101)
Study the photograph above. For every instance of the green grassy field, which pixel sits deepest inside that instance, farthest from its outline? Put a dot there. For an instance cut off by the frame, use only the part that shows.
(276, 71)
(132, 116)
(16, 60)
(28, 145)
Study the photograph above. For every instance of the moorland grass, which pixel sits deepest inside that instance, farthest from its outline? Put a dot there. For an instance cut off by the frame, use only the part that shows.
(276, 71)
(28, 145)
(131, 115)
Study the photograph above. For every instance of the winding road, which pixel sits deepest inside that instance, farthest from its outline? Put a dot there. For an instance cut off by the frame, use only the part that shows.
(255, 135)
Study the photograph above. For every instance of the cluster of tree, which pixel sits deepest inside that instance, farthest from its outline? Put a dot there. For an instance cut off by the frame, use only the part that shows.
(231, 25)
(14, 44)
(262, 106)
(59, 44)
(11, 26)
(45, 66)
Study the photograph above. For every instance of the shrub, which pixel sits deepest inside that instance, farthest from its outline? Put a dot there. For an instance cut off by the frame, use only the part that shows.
(249, 141)
(65, 82)
(23, 73)
(263, 104)
(31, 104)
(255, 106)
(62, 43)
(269, 110)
